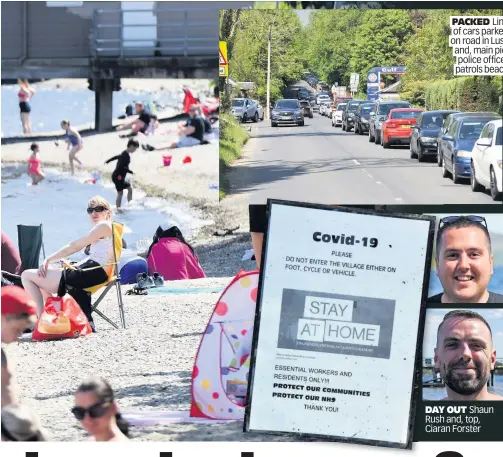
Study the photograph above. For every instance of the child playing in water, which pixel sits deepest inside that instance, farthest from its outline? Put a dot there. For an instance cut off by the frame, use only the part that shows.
(34, 168)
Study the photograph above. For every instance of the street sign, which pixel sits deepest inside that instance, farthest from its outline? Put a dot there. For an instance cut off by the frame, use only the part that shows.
(223, 64)
(354, 80)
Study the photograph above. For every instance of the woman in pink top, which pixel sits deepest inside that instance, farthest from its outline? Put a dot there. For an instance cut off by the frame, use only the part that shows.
(24, 95)
(34, 167)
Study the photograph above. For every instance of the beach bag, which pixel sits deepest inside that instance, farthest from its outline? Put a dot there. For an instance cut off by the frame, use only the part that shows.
(61, 318)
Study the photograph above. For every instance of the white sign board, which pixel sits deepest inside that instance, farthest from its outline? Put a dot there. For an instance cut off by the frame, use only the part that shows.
(336, 336)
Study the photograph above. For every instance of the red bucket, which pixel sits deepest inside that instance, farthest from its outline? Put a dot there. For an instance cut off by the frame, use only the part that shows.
(166, 160)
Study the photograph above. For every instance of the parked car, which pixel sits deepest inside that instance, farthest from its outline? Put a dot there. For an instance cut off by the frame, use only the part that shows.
(308, 109)
(447, 125)
(243, 109)
(287, 111)
(458, 143)
(397, 127)
(325, 108)
(423, 141)
(349, 113)
(322, 96)
(486, 160)
(260, 109)
(377, 117)
(362, 116)
(337, 115)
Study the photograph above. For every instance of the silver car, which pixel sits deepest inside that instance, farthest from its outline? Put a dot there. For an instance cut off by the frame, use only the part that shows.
(244, 109)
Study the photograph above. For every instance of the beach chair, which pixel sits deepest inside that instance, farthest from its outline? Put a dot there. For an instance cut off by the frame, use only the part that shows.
(30, 244)
(113, 279)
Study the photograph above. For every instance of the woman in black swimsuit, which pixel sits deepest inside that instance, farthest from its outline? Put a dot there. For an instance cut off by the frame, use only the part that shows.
(121, 170)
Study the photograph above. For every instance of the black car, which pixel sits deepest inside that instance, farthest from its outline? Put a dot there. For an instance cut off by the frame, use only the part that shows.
(349, 113)
(308, 109)
(379, 115)
(362, 116)
(423, 140)
(287, 111)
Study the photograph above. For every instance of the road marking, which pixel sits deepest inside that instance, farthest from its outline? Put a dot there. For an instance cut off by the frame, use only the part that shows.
(399, 200)
(356, 162)
(370, 175)
(379, 182)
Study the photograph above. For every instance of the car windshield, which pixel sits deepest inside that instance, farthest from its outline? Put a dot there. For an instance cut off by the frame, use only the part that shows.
(471, 129)
(352, 106)
(433, 120)
(323, 94)
(305, 103)
(238, 102)
(341, 107)
(499, 139)
(405, 115)
(385, 109)
(366, 109)
(289, 104)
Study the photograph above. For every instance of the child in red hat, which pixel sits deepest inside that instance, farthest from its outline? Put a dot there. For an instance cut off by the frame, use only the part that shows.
(18, 313)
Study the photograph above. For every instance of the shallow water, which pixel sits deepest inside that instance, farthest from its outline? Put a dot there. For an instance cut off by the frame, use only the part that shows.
(51, 105)
(59, 203)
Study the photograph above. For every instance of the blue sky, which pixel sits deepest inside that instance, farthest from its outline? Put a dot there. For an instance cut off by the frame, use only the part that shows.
(435, 316)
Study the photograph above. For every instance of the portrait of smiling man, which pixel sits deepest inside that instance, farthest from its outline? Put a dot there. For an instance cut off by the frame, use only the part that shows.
(465, 356)
(464, 261)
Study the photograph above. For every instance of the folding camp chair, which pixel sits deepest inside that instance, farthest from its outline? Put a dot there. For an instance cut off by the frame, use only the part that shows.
(31, 244)
(113, 279)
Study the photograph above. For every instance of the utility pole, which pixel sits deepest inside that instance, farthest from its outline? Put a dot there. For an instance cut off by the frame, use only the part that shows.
(269, 73)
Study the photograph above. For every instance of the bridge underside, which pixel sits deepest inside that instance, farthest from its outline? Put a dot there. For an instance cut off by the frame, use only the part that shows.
(204, 67)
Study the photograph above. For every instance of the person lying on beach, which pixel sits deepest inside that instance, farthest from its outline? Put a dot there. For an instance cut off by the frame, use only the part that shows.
(140, 124)
(74, 142)
(18, 313)
(119, 176)
(97, 411)
(34, 168)
(191, 133)
(87, 273)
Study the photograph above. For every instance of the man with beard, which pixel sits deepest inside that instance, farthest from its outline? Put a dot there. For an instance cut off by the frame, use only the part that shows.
(464, 261)
(465, 356)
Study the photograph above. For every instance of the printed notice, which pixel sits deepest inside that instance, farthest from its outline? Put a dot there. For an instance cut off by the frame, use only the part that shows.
(339, 314)
(477, 45)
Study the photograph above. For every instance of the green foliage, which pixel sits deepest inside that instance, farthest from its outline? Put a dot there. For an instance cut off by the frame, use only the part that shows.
(232, 139)
(470, 93)
(248, 61)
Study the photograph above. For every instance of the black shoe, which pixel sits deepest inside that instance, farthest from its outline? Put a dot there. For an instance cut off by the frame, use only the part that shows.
(147, 147)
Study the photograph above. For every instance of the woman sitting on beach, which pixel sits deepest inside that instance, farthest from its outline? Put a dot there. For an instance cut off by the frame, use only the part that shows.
(88, 273)
(34, 169)
(24, 95)
(74, 141)
(98, 412)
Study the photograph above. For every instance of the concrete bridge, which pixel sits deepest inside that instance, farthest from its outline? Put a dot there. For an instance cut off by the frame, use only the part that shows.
(107, 41)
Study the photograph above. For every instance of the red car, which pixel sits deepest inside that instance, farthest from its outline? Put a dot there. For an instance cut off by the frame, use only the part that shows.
(397, 128)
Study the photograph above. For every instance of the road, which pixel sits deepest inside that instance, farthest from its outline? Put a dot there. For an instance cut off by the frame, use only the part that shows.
(322, 164)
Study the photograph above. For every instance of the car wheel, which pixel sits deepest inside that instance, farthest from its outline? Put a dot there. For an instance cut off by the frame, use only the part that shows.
(371, 138)
(244, 119)
(311, 116)
(355, 130)
(474, 184)
(377, 139)
(420, 155)
(496, 196)
(262, 118)
(343, 127)
(274, 124)
(384, 143)
(360, 131)
(445, 172)
(439, 158)
(255, 118)
(301, 124)
(413, 155)
(455, 177)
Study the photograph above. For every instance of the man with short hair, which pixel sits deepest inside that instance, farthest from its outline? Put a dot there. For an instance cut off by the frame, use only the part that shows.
(465, 356)
(464, 261)
(138, 125)
(18, 313)
(191, 133)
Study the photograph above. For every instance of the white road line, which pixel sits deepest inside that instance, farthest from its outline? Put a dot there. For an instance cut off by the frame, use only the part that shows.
(356, 162)
(379, 182)
(399, 200)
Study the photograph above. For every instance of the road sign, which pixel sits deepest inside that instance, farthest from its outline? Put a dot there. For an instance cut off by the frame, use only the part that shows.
(223, 64)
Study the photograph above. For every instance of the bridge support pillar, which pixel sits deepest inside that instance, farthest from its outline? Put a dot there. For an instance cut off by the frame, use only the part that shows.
(103, 102)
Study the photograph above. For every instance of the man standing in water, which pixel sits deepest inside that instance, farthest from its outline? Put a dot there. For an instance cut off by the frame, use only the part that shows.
(465, 356)
(121, 171)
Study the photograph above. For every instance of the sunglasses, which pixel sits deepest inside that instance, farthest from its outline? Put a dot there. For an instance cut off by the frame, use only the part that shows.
(95, 411)
(98, 209)
(452, 219)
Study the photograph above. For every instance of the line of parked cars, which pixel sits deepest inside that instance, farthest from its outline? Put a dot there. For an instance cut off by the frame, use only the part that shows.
(465, 145)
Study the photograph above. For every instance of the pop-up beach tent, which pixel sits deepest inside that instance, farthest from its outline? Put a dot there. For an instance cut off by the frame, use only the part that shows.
(220, 374)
